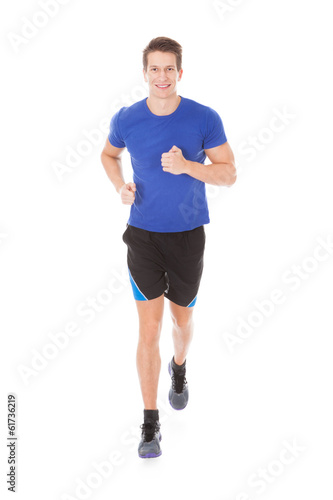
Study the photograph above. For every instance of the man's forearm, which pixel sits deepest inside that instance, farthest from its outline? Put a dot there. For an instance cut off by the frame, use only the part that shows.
(218, 174)
(114, 171)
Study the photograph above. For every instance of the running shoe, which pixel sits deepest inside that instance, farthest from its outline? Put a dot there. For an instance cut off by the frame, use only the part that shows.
(149, 446)
(178, 394)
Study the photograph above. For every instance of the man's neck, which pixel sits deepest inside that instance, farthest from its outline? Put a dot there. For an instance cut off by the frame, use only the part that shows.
(163, 107)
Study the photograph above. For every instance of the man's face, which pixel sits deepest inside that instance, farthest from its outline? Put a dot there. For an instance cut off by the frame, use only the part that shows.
(162, 75)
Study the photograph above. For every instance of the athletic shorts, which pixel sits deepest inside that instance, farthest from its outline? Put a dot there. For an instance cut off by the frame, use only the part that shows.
(165, 263)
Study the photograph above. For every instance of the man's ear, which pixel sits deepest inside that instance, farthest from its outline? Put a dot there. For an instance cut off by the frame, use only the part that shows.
(180, 74)
(145, 75)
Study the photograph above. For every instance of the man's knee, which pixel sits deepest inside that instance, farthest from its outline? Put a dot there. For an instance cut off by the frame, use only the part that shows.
(150, 331)
(182, 322)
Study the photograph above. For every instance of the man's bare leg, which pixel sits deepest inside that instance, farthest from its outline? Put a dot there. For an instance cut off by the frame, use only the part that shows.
(148, 353)
(182, 332)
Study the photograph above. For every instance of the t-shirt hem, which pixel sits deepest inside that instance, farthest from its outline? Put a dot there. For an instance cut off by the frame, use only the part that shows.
(215, 144)
(115, 144)
(158, 229)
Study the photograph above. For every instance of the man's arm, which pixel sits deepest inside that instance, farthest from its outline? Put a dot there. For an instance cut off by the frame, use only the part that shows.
(221, 172)
(111, 161)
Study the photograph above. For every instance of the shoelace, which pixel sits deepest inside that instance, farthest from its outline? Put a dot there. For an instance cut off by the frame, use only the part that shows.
(178, 381)
(149, 429)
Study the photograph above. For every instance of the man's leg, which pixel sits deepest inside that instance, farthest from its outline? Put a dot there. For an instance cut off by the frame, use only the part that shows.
(182, 331)
(182, 334)
(148, 353)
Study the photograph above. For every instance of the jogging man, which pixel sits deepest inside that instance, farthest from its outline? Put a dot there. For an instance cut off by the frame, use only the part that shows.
(168, 138)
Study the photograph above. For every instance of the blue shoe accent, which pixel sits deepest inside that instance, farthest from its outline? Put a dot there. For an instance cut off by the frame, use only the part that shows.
(138, 295)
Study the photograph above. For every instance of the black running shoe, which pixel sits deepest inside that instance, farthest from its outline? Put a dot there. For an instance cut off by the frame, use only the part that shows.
(149, 446)
(178, 394)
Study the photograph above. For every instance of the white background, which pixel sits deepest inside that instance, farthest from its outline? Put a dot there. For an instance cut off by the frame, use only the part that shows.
(60, 244)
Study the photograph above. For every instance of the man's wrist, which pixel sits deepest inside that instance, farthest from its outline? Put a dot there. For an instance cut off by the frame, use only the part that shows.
(119, 187)
(188, 167)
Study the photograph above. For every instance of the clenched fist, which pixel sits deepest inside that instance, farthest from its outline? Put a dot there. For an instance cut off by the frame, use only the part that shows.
(174, 161)
(127, 193)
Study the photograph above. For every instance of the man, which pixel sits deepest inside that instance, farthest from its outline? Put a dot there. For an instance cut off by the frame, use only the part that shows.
(168, 138)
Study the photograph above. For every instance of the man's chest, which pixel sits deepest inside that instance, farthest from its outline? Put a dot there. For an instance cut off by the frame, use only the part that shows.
(147, 142)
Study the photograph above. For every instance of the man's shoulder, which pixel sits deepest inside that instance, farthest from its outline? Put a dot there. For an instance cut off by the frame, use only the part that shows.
(198, 107)
(192, 102)
(132, 110)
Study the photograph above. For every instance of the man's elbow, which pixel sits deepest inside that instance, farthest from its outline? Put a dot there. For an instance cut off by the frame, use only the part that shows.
(229, 176)
(233, 175)
(103, 155)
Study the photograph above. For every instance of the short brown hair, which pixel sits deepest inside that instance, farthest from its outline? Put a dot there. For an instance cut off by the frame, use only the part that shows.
(163, 44)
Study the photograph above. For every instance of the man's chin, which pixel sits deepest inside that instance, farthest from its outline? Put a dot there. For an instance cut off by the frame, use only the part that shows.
(163, 95)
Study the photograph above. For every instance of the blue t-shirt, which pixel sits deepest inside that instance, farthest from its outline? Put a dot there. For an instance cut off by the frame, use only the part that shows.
(165, 202)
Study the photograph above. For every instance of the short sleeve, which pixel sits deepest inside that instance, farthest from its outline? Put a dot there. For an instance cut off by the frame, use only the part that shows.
(214, 134)
(115, 136)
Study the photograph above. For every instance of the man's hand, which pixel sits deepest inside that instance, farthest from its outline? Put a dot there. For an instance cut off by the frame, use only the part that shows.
(174, 161)
(127, 193)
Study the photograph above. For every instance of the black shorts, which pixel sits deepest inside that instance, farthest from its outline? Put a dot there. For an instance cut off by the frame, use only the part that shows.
(165, 263)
